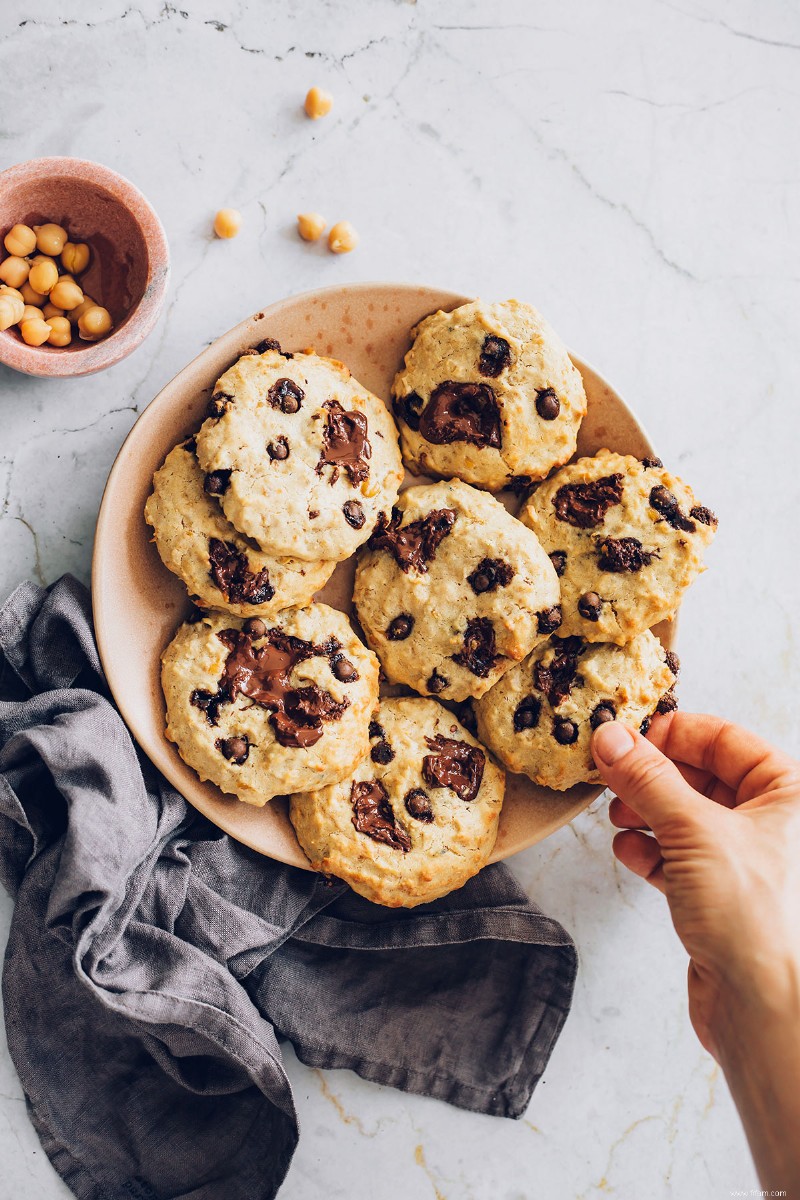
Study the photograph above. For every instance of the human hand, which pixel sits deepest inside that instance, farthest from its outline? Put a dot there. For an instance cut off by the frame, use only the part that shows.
(710, 816)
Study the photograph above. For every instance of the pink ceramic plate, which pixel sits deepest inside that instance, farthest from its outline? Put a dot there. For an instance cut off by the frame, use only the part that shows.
(138, 604)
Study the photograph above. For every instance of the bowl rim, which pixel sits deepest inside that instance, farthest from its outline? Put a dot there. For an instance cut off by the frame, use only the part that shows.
(43, 361)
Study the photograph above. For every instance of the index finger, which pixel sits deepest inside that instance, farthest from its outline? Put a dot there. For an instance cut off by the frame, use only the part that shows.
(739, 758)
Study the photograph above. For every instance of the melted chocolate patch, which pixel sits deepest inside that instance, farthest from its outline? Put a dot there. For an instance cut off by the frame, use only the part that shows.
(418, 805)
(262, 674)
(585, 505)
(216, 483)
(624, 554)
(556, 680)
(455, 765)
(209, 703)
(490, 574)
(478, 653)
(413, 545)
(354, 514)
(345, 445)
(527, 713)
(462, 412)
(372, 815)
(495, 356)
(286, 395)
(408, 408)
(666, 503)
(230, 570)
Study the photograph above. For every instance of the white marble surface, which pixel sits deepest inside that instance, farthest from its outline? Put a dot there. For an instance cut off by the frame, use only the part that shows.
(632, 170)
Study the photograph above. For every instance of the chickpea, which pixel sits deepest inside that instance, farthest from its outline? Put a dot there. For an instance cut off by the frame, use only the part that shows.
(60, 331)
(78, 312)
(66, 294)
(35, 333)
(94, 324)
(50, 239)
(10, 311)
(43, 277)
(30, 313)
(50, 310)
(342, 238)
(318, 103)
(14, 270)
(227, 223)
(20, 240)
(75, 256)
(30, 296)
(310, 226)
(5, 290)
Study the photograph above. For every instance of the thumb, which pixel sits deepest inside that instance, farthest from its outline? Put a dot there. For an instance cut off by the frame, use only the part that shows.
(645, 779)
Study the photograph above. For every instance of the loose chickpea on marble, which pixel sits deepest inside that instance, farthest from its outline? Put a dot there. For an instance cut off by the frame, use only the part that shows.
(20, 240)
(342, 238)
(227, 223)
(318, 103)
(310, 226)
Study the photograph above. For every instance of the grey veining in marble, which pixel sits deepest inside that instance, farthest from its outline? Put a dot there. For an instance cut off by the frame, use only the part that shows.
(630, 169)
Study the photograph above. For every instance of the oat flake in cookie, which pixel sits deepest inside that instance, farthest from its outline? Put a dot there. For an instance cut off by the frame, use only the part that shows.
(451, 591)
(413, 823)
(220, 568)
(309, 458)
(628, 539)
(540, 717)
(488, 393)
(264, 707)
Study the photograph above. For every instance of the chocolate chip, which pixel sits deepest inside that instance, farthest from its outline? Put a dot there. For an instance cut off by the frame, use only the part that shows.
(313, 513)
(478, 652)
(255, 627)
(190, 445)
(559, 560)
(527, 713)
(548, 404)
(270, 344)
(652, 462)
(219, 404)
(195, 615)
(437, 683)
(556, 680)
(373, 815)
(495, 355)
(209, 703)
(229, 567)
(564, 731)
(400, 628)
(665, 503)
(462, 412)
(216, 483)
(605, 711)
(645, 725)
(413, 545)
(466, 715)
(624, 554)
(454, 764)
(704, 515)
(376, 730)
(673, 662)
(590, 606)
(354, 514)
(668, 702)
(382, 753)
(522, 486)
(490, 574)
(286, 395)
(345, 444)
(418, 805)
(278, 449)
(585, 505)
(234, 748)
(549, 619)
(343, 669)
(407, 408)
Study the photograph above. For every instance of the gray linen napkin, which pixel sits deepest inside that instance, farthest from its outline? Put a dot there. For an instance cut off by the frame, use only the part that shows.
(153, 962)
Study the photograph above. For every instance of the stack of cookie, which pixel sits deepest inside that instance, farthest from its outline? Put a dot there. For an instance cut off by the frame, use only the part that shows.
(508, 634)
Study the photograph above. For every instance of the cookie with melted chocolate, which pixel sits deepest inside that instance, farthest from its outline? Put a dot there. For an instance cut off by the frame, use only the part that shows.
(451, 591)
(626, 539)
(296, 689)
(540, 717)
(221, 569)
(488, 393)
(297, 437)
(410, 825)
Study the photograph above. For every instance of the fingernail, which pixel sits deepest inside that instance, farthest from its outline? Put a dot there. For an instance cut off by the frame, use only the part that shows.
(611, 742)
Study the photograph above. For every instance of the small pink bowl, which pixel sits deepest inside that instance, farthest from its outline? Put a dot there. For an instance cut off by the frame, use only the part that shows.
(129, 267)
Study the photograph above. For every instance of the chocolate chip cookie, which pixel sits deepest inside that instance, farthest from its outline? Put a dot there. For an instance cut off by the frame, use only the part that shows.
(451, 591)
(267, 707)
(220, 568)
(540, 717)
(488, 393)
(627, 539)
(302, 458)
(416, 819)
